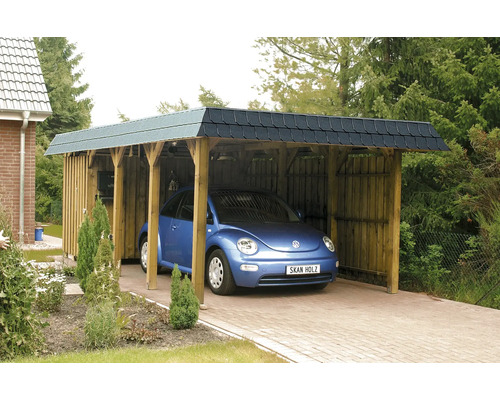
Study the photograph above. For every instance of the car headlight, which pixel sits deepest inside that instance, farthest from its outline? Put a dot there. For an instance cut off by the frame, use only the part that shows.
(328, 243)
(247, 246)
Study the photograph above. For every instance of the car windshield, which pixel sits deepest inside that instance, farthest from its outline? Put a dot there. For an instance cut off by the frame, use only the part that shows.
(236, 206)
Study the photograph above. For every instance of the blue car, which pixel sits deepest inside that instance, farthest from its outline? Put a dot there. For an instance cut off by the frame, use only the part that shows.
(254, 239)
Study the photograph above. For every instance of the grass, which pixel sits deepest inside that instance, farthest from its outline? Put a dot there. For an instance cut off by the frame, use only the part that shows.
(53, 230)
(42, 255)
(233, 351)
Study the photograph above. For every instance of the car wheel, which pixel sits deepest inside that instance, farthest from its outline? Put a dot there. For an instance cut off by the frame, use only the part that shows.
(144, 255)
(219, 276)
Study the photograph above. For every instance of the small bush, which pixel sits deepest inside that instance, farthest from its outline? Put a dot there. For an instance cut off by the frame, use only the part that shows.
(50, 286)
(102, 283)
(101, 328)
(184, 305)
(20, 328)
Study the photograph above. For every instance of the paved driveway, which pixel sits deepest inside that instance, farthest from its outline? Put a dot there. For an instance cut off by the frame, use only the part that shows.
(346, 322)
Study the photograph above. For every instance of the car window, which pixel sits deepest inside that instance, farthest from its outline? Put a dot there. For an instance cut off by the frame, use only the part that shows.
(170, 209)
(185, 210)
(242, 206)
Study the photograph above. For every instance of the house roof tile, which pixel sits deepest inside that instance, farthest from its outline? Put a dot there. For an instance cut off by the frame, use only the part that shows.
(22, 87)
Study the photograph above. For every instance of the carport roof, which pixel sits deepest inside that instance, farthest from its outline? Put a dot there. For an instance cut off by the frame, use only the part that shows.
(252, 125)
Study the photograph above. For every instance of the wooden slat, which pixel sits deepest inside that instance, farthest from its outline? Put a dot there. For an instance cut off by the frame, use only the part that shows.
(333, 198)
(372, 228)
(201, 158)
(282, 169)
(364, 214)
(380, 214)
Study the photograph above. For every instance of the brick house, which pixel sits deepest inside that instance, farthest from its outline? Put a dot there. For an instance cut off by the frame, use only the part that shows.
(23, 103)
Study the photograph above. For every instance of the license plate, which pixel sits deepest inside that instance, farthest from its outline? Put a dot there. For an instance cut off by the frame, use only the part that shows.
(302, 269)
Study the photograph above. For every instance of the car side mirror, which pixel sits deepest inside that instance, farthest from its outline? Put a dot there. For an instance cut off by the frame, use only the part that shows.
(210, 217)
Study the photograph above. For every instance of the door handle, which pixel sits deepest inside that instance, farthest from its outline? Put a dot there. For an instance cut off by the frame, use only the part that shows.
(174, 227)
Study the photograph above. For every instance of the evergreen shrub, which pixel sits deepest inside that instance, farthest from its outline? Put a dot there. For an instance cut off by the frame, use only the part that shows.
(100, 219)
(87, 249)
(184, 305)
(102, 283)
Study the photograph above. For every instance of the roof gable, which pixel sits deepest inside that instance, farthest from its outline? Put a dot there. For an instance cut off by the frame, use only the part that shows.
(255, 125)
(22, 87)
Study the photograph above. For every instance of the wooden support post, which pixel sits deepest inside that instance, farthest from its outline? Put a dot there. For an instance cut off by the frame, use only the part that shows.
(201, 156)
(394, 209)
(333, 155)
(117, 157)
(153, 151)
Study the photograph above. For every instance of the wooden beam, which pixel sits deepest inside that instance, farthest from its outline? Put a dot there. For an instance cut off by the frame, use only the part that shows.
(201, 157)
(394, 208)
(117, 157)
(153, 151)
(191, 145)
(342, 157)
(91, 154)
(332, 205)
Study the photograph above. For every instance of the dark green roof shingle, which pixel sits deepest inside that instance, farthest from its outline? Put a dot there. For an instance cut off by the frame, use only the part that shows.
(254, 125)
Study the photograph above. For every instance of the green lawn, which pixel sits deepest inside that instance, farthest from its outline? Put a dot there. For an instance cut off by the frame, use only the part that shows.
(53, 230)
(234, 351)
(42, 255)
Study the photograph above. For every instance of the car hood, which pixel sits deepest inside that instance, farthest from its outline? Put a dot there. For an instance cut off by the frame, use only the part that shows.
(280, 237)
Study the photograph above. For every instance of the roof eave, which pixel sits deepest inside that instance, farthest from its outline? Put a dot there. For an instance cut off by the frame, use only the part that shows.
(17, 115)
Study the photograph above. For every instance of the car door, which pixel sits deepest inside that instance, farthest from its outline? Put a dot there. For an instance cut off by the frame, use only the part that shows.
(166, 220)
(181, 231)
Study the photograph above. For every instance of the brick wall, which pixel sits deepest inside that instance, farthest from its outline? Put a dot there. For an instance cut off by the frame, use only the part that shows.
(10, 176)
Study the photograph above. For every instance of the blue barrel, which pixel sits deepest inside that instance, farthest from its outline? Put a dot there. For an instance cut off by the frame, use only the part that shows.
(38, 234)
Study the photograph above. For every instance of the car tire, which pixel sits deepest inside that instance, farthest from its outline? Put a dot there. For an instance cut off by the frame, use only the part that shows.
(143, 256)
(218, 273)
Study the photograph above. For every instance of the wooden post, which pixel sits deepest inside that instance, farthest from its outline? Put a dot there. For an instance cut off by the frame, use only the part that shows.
(333, 154)
(153, 151)
(117, 157)
(394, 209)
(201, 156)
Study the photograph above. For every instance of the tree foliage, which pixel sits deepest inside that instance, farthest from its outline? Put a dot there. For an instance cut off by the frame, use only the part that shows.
(451, 82)
(59, 63)
(207, 98)
(70, 112)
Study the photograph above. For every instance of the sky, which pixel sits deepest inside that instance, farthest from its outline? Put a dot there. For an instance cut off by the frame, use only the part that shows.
(137, 54)
(135, 74)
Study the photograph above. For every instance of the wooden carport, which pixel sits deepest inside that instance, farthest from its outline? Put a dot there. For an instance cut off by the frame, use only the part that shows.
(344, 173)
